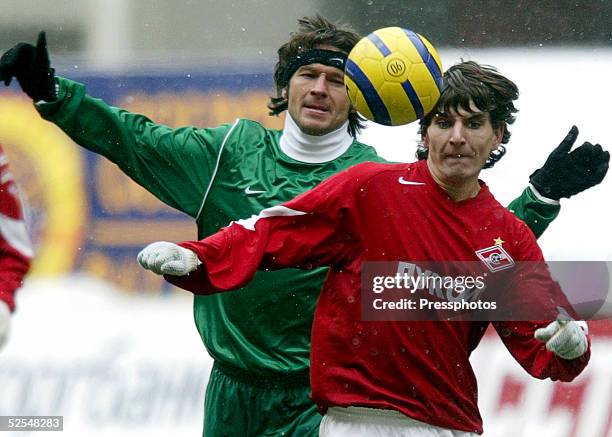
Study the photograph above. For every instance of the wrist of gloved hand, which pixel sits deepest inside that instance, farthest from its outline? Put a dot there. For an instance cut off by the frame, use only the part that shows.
(540, 197)
(547, 185)
(47, 91)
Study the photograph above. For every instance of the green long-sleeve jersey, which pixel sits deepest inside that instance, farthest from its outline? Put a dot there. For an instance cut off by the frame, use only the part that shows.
(216, 175)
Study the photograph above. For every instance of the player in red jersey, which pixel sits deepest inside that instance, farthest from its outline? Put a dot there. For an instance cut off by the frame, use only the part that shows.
(397, 377)
(15, 247)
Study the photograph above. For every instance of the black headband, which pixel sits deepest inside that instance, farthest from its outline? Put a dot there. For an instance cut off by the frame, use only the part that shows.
(313, 56)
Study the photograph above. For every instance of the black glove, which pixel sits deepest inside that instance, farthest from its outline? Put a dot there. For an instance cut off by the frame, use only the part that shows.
(567, 173)
(30, 65)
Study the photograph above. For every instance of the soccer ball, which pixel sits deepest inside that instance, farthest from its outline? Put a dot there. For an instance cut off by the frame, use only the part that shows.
(393, 76)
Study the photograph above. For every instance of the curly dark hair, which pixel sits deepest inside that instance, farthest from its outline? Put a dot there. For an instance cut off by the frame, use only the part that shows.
(313, 32)
(489, 90)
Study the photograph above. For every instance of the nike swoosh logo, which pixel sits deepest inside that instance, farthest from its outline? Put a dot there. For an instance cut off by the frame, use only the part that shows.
(403, 181)
(248, 190)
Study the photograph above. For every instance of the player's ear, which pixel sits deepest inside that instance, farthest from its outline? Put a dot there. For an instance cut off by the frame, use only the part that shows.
(284, 93)
(424, 140)
(499, 135)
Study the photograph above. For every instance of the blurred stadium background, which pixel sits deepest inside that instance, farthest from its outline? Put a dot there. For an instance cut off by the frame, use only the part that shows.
(106, 345)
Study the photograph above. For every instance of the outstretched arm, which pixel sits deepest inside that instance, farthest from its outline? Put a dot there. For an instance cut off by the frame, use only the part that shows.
(175, 165)
(279, 237)
(315, 229)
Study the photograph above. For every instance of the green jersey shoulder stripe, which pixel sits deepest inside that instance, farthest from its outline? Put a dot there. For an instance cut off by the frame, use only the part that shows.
(212, 178)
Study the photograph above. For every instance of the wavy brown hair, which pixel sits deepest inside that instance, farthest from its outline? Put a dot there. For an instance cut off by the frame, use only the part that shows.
(313, 32)
(489, 90)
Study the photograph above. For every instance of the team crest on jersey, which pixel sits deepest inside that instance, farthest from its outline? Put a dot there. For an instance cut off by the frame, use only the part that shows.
(495, 258)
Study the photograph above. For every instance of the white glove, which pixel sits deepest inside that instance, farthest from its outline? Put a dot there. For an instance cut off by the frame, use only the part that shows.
(166, 258)
(566, 339)
(5, 323)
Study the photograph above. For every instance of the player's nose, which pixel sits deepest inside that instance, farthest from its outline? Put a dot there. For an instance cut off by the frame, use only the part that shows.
(457, 133)
(320, 85)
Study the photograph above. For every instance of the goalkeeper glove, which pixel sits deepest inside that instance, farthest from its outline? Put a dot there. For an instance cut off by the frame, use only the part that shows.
(566, 339)
(5, 323)
(566, 172)
(30, 65)
(166, 258)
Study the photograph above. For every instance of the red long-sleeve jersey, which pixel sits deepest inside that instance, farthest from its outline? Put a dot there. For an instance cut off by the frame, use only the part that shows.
(383, 212)
(15, 246)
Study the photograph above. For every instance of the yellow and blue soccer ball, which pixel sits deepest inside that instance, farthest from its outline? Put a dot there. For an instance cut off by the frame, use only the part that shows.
(393, 76)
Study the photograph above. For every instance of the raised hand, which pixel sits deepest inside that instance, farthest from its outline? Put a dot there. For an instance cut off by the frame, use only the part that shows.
(567, 172)
(30, 65)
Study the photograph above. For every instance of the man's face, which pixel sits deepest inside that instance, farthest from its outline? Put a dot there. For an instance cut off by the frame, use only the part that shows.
(317, 99)
(459, 144)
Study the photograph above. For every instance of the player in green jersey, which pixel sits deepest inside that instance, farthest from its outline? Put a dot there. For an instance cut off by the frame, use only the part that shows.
(258, 337)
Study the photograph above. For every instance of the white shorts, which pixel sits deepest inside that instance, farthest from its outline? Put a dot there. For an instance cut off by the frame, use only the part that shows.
(373, 422)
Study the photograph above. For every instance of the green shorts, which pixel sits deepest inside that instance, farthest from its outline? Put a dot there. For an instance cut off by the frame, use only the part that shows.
(242, 405)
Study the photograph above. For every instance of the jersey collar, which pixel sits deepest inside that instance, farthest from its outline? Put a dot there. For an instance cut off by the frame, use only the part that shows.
(313, 149)
(484, 195)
